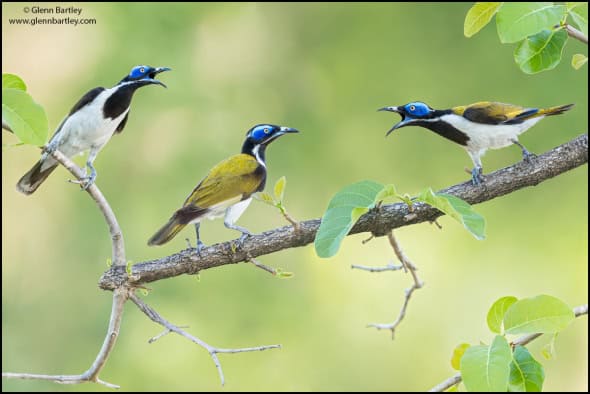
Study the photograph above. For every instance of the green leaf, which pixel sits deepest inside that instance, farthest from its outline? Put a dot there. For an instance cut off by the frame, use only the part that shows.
(458, 354)
(578, 60)
(280, 188)
(518, 20)
(343, 211)
(541, 314)
(24, 116)
(541, 51)
(548, 350)
(526, 374)
(487, 368)
(580, 16)
(267, 198)
(387, 192)
(284, 274)
(573, 4)
(457, 209)
(11, 81)
(497, 311)
(478, 16)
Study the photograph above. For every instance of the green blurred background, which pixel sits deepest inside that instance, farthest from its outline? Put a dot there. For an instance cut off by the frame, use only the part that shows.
(323, 69)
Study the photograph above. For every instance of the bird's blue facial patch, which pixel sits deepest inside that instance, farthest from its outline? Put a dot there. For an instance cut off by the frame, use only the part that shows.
(262, 132)
(417, 109)
(139, 72)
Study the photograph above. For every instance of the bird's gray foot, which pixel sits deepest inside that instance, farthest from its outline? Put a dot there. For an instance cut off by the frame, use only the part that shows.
(476, 176)
(526, 155)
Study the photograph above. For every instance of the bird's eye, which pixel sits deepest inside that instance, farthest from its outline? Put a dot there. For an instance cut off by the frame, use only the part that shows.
(412, 107)
(142, 70)
(266, 130)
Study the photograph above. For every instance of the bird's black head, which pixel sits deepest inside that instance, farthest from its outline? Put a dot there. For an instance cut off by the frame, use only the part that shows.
(410, 113)
(259, 136)
(144, 75)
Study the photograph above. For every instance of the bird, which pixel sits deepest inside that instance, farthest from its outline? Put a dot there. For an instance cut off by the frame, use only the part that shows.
(477, 127)
(227, 189)
(89, 126)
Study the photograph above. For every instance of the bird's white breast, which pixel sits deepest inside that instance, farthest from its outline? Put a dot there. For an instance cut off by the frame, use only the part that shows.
(87, 128)
(489, 136)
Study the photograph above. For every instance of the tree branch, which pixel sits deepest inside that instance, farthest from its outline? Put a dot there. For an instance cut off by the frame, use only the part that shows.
(525, 339)
(119, 296)
(575, 33)
(507, 180)
(408, 266)
(213, 351)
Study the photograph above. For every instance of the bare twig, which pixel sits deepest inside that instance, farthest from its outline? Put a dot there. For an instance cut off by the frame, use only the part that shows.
(213, 351)
(408, 266)
(507, 180)
(257, 263)
(575, 33)
(6, 127)
(119, 295)
(294, 222)
(525, 339)
(388, 267)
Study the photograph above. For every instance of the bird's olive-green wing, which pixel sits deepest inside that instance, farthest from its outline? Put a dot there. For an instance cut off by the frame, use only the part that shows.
(236, 177)
(494, 113)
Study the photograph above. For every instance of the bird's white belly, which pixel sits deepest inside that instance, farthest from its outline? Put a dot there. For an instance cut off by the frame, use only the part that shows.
(85, 130)
(219, 210)
(486, 136)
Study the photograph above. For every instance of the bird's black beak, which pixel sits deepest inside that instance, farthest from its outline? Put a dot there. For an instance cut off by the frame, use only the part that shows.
(396, 126)
(156, 71)
(288, 130)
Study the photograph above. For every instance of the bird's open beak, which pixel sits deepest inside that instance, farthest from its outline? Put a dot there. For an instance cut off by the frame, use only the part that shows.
(288, 130)
(152, 75)
(396, 126)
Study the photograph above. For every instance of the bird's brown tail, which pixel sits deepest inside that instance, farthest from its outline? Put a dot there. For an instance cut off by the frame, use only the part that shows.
(556, 110)
(34, 178)
(167, 232)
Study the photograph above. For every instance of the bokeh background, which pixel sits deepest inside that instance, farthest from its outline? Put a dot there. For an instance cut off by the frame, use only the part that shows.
(323, 69)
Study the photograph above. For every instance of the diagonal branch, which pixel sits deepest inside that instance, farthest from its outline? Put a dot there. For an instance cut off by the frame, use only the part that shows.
(525, 339)
(575, 33)
(507, 180)
(119, 296)
(213, 351)
(408, 266)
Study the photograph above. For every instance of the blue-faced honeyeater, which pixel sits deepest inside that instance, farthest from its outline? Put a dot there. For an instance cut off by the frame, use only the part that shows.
(477, 127)
(227, 189)
(90, 125)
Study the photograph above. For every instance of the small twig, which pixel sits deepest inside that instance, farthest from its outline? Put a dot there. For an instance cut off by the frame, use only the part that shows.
(437, 224)
(575, 33)
(408, 266)
(289, 218)
(6, 127)
(525, 339)
(61, 379)
(163, 333)
(364, 241)
(213, 351)
(257, 263)
(388, 267)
